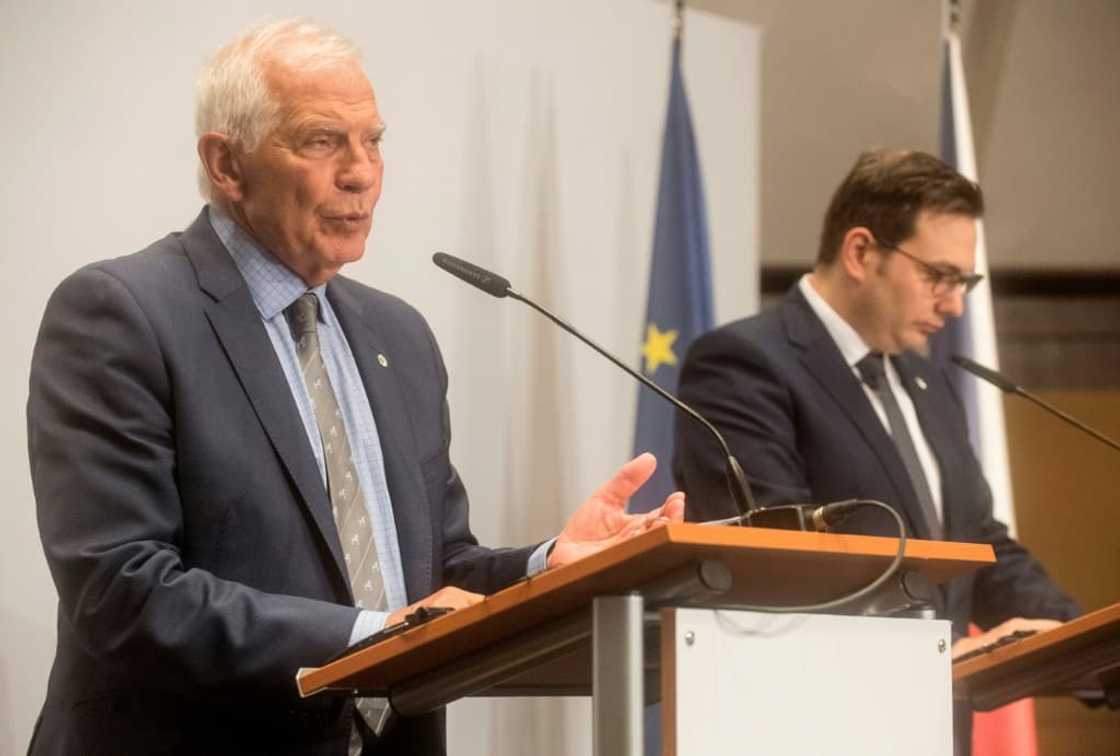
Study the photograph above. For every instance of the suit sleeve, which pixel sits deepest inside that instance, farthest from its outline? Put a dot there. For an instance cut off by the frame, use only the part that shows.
(1017, 585)
(731, 383)
(104, 466)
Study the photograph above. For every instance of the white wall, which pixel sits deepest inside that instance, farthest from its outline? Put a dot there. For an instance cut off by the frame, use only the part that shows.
(523, 135)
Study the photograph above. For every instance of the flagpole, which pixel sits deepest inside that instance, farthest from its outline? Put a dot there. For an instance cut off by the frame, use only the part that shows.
(678, 20)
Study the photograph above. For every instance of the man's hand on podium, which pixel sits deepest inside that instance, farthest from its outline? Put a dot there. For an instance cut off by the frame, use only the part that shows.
(993, 636)
(450, 597)
(602, 520)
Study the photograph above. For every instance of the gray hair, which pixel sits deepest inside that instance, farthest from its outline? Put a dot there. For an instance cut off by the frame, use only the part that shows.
(231, 95)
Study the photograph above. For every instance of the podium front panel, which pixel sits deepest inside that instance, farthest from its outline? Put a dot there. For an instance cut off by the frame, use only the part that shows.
(737, 682)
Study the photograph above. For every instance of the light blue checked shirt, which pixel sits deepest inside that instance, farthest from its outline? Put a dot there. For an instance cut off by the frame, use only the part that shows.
(274, 287)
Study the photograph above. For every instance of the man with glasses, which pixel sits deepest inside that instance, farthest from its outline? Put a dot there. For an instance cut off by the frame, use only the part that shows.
(829, 397)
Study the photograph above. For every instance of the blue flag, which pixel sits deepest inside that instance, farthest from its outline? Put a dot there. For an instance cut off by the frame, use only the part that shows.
(679, 307)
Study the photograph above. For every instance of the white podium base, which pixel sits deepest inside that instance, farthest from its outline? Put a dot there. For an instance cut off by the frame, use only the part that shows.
(750, 683)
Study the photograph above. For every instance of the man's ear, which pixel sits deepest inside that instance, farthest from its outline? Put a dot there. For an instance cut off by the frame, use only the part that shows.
(223, 166)
(856, 251)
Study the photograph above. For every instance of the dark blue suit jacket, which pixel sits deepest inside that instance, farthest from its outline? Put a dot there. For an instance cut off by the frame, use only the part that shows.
(184, 519)
(796, 417)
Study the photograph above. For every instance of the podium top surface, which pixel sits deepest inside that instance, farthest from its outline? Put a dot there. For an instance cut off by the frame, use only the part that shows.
(771, 567)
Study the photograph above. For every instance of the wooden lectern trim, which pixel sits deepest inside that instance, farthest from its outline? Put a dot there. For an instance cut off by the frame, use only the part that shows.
(668, 682)
(769, 566)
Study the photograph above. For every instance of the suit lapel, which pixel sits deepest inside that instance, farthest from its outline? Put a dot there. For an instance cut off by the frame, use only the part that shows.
(411, 508)
(823, 360)
(237, 323)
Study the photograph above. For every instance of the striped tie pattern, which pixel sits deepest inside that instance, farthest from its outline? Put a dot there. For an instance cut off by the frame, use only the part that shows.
(348, 504)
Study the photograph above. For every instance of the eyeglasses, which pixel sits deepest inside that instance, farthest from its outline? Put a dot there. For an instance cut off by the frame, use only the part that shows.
(943, 280)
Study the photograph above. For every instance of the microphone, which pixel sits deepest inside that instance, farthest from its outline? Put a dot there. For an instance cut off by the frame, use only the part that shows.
(1007, 386)
(491, 283)
(497, 286)
(823, 518)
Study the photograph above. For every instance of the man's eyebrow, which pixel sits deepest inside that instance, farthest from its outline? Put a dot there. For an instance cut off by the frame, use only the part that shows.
(948, 269)
(313, 125)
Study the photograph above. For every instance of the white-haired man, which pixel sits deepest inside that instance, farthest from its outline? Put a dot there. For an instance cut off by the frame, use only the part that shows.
(240, 458)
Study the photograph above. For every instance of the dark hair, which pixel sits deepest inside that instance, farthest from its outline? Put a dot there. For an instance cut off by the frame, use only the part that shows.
(885, 191)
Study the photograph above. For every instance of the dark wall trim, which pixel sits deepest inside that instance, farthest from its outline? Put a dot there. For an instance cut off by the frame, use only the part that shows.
(1058, 283)
(1011, 282)
(774, 280)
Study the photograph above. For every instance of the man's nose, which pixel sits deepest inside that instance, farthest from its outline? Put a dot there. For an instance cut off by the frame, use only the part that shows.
(360, 168)
(952, 304)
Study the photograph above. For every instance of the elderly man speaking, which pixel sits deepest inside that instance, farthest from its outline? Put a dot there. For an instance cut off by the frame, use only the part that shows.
(240, 457)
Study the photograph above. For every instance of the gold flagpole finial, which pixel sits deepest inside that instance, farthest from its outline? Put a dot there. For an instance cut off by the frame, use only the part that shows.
(678, 19)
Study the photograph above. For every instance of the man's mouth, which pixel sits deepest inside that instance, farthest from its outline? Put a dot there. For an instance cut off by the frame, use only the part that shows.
(348, 223)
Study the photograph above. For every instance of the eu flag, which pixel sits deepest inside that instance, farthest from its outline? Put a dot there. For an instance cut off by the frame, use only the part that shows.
(679, 307)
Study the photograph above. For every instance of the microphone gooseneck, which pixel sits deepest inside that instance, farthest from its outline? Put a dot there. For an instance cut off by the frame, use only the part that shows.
(497, 286)
(987, 374)
(1004, 384)
(797, 516)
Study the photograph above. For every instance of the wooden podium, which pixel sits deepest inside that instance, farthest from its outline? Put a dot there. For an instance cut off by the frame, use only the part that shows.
(589, 628)
(1082, 657)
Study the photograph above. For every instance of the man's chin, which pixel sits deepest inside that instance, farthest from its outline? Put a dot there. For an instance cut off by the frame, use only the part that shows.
(919, 343)
(344, 251)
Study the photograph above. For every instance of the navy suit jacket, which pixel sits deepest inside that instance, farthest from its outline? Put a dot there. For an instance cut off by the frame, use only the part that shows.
(184, 519)
(797, 418)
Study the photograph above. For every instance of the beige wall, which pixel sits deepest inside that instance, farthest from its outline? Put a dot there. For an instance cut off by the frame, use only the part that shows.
(1065, 503)
(1044, 81)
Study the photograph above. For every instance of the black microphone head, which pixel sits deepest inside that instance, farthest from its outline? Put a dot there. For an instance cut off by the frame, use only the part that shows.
(491, 283)
(987, 374)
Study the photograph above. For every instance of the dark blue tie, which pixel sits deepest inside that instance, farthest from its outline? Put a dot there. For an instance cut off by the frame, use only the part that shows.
(873, 372)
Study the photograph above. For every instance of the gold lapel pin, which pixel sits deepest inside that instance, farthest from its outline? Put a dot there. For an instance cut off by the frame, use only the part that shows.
(384, 362)
(921, 383)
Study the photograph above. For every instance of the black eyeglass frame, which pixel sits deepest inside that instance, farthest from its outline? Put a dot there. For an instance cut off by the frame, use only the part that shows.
(938, 277)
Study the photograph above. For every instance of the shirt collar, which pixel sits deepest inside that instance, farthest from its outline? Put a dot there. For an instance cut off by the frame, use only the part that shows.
(272, 285)
(851, 346)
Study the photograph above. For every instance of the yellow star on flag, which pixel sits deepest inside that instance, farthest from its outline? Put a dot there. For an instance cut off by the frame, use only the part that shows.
(658, 348)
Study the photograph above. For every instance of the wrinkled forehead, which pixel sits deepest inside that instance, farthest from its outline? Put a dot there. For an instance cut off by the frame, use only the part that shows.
(339, 87)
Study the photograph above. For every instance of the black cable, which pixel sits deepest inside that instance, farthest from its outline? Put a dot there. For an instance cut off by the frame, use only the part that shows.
(871, 587)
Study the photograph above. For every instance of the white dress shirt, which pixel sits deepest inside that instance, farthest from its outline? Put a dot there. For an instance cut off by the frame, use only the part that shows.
(854, 349)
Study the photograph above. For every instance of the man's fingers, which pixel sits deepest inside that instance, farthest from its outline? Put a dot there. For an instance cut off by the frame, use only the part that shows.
(456, 598)
(671, 511)
(673, 508)
(965, 645)
(449, 597)
(628, 479)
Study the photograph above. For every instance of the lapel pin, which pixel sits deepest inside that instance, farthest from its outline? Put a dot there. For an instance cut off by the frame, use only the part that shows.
(921, 382)
(384, 362)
